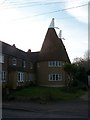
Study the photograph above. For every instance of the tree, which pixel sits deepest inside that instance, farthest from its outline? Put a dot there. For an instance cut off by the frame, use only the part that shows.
(70, 69)
(84, 62)
(77, 74)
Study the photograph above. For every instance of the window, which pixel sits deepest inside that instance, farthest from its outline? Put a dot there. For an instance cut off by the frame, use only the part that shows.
(58, 63)
(31, 77)
(24, 64)
(20, 77)
(1, 58)
(3, 76)
(54, 63)
(38, 65)
(54, 77)
(31, 65)
(14, 62)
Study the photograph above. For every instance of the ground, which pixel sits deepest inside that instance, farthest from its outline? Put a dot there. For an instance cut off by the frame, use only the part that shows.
(61, 109)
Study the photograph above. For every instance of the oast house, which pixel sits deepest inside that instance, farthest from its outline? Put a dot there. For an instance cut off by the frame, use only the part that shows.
(44, 68)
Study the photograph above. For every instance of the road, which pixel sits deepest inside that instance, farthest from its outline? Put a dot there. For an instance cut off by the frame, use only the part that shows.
(76, 109)
(41, 114)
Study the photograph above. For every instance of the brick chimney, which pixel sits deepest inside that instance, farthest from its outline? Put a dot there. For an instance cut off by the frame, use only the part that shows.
(14, 45)
(29, 51)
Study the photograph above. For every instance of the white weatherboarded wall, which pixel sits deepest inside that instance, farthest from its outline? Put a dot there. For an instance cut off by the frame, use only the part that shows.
(88, 80)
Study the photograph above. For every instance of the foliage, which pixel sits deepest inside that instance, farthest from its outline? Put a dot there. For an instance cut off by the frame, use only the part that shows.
(77, 74)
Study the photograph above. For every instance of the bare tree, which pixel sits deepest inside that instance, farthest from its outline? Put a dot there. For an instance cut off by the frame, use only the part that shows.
(85, 61)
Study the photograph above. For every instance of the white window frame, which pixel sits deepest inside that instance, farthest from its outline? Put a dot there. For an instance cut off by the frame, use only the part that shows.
(54, 77)
(14, 61)
(1, 58)
(54, 63)
(4, 76)
(58, 63)
(20, 77)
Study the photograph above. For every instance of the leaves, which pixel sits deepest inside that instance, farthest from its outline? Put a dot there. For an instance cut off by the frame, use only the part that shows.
(77, 73)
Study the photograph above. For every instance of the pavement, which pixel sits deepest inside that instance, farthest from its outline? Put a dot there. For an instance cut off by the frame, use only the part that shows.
(85, 97)
(59, 109)
(37, 106)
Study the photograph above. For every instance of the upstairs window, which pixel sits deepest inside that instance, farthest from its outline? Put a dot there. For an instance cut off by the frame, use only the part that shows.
(31, 65)
(14, 61)
(54, 63)
(58, 63)
(1, 58)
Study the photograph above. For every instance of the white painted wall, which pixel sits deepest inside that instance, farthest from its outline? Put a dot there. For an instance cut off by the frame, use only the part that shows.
(88, 80)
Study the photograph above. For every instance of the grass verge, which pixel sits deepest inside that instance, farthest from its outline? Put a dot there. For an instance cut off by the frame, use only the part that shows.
(48, 94)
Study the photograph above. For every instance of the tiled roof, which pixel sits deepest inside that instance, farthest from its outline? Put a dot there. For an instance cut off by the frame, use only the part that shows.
(17, 53)
(53, 48)
(13, 51)
(33, 56)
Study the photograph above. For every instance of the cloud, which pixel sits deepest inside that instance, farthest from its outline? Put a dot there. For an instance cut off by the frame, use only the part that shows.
(80, 13)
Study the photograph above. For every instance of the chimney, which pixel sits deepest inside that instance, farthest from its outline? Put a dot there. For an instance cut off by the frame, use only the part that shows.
(29, 51)
(14, 45)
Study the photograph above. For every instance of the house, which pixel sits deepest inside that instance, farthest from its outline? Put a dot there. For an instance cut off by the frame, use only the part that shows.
(88, 72)
(45, 68)
(51, 59)
(17, 66)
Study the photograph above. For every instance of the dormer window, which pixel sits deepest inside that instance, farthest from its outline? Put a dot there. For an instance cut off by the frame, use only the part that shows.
(14, 61)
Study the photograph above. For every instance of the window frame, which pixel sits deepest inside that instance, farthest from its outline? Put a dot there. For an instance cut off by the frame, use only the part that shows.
(54, 77)
(14, 61)
(24, 63)
(54, 63)
(2, 58)
(4, 76)
(20, 77)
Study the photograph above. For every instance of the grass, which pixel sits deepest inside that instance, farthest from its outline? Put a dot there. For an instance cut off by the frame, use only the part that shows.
(48, 94)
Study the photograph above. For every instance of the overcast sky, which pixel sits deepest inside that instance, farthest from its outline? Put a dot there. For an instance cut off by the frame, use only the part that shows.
(25, 23)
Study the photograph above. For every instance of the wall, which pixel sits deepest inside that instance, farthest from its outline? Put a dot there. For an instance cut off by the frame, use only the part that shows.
(89, 80)
(42, 74)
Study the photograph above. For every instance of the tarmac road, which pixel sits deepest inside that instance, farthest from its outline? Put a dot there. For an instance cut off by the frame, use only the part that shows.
(74, 109)
(41, 114)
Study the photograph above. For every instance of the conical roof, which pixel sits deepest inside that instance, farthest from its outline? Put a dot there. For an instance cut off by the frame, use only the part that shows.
(53, 48)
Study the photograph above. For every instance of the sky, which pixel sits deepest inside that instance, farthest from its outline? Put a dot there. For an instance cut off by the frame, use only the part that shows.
(25, 23)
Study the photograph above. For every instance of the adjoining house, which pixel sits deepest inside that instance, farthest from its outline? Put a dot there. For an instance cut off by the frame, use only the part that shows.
(44, 68)
(18, 67)
(88, 77)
